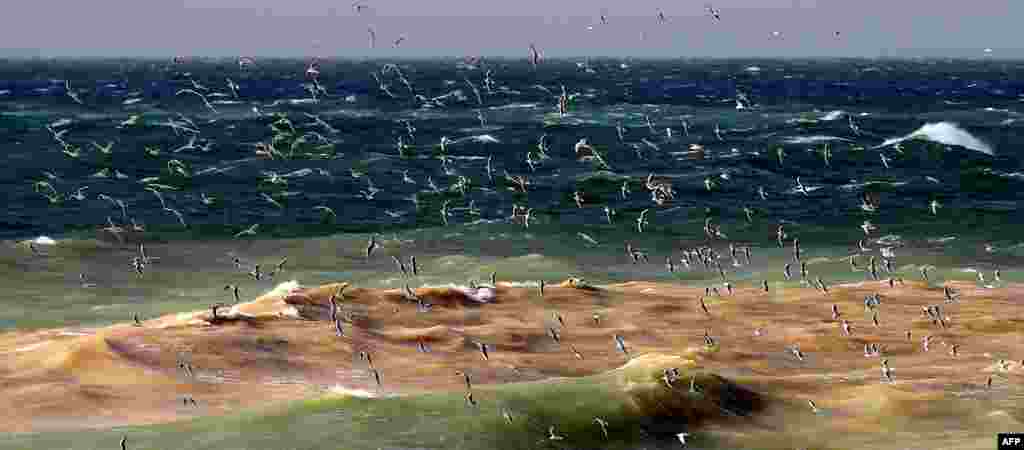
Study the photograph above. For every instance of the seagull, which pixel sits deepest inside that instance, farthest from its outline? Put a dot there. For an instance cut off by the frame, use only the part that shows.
(181, 218)
(371, 246)
(233, 87)
(234, 291)
(554, 335)
(868, 227)
(620, 344)
(194, 92)
(71, 93)
(715, 13)
(256, 274)
(105, 149)
(601, 423)
(886, 370)
(190, 145)
(142, 255)
(552, 436)
(682, 438)
(251, 231)
(400, 265)
(534, 56)
(279, 267)
(641, 221)
(575, 352)
(800, 187)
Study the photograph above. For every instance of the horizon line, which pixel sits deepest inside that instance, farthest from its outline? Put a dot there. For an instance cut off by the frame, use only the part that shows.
(565, 58)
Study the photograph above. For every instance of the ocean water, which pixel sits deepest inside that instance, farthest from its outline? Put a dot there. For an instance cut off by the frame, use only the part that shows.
(949, 129)
(364, 138)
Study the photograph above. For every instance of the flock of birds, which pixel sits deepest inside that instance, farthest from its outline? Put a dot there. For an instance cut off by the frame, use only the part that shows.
(310, 140)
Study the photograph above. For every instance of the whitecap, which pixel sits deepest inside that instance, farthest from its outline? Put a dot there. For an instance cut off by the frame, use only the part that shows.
(833, 115)
(515, 106)
(813, 139)
(486, 138)
(944, 133)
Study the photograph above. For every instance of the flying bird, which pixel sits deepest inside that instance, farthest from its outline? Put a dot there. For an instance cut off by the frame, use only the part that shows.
(196, 93)
(715, 13)
(534, 56)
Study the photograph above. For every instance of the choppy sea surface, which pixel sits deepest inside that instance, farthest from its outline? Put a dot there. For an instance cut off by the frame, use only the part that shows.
(443, 158)
(92, 143)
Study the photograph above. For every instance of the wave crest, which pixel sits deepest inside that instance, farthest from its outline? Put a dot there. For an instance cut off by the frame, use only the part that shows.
(947, 133)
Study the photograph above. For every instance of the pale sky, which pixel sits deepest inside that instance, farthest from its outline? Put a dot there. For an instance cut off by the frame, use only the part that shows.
(302, 28)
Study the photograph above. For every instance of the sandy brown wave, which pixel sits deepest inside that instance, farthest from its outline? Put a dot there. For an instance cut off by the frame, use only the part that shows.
(282, 346)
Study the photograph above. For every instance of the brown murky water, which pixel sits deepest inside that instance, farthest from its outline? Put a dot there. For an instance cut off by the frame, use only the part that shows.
(282, 346)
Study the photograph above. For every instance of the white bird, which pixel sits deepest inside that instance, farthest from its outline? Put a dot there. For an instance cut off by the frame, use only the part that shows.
(251, 231)
(271, 200)
(181, 219)
(312, 70)
(194, 92)
(233, 86)
(105, 149)
(71, 93)
(130, 121)
(715, 13)
(682, 438)
(552, 436)
(814, 408)
(868, 227)
(190, 145)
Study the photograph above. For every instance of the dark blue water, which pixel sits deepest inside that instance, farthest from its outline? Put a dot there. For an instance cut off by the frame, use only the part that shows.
(797, 106)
